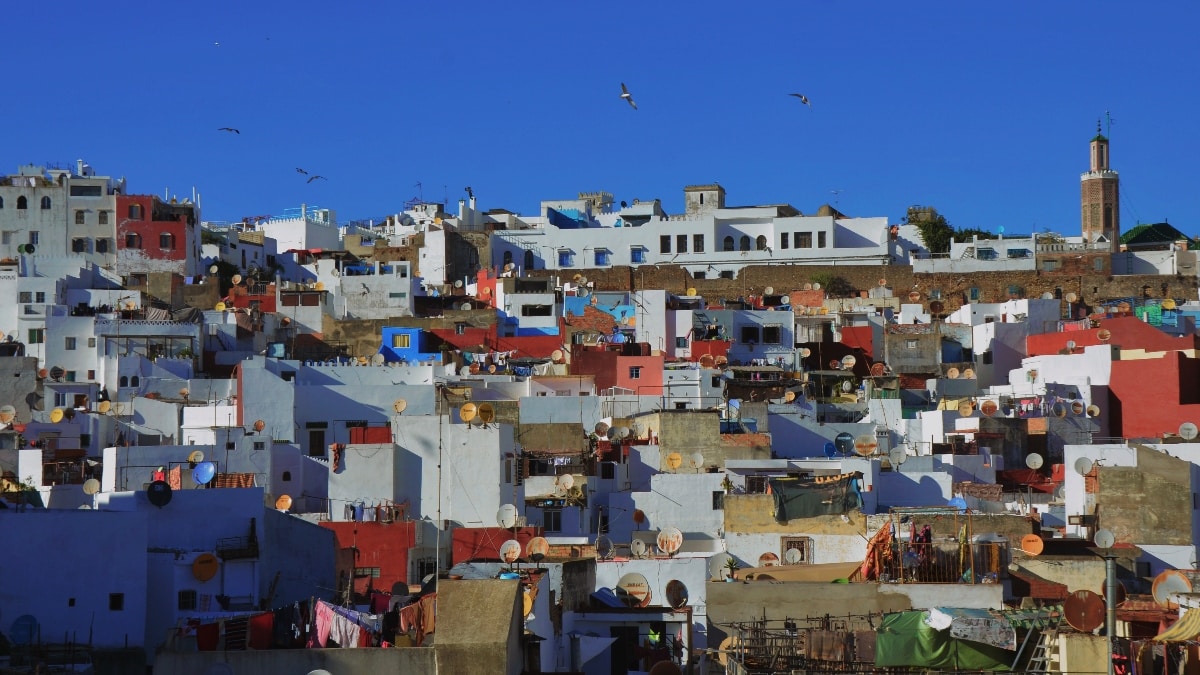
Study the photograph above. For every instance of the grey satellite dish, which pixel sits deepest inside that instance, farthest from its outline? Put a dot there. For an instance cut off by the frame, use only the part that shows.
(506, 517)
(1188, 430)
(458, 283)
(637, 548)
(1047, 295)
(896, 456)
(1083, 466)
(1104, 539)
(377, 359)
(718, 564)
(582, 292)
(793, 556)
(1034, 460)
(466, 307)
(604, 547)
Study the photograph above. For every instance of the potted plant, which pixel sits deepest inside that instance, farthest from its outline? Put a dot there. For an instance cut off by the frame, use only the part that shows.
(733, 566)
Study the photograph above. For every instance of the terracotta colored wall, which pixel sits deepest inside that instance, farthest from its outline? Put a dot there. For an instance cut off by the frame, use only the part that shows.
(382, 545)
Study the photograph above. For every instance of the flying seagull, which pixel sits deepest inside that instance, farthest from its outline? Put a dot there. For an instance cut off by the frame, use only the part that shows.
(230, 129)
(627, 96)
(314, 177)
(803, 99)
(299, 170)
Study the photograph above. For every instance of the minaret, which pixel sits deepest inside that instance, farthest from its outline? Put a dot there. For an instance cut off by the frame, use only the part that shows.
(1100, 198)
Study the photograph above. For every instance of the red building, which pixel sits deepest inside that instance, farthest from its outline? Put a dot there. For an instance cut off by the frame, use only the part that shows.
(156, 236)
(380, 552)
(627, 365)
(1126, 332)
(1152, 397)
(482, 544)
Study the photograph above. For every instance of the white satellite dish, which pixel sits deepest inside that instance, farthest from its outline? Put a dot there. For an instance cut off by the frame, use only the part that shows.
(565, 481)
(213, 269)
(1104, 539)
(718, 564)
(897, 456)
(816, 286)
(769, 290)
(510, 551)
(793, 556)
(458, 283)
(506, 517)
(697, 460)
(1034, 461)
(1083, 466)
(377, 359)
(637, 548)
(669, 540)
(1188, 430)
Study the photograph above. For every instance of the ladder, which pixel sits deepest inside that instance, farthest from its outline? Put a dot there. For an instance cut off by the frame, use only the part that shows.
(1045, 652)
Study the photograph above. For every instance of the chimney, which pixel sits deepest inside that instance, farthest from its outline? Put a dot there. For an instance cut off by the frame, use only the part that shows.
(79, 167)
(303, 211)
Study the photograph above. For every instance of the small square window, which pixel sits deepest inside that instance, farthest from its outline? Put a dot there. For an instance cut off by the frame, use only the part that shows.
(187, 600)
(681, 342)
(25, 297)
(727, 274)
(718, 500)
(602, 257)
(116, 602)
(637, 254)
(910, 344)
(608, 470)
(103, 217)
(698, 243)
(70, 602)
(635, 372)
(70, 344)
(664, 243)
(260, 445)
(681, 243)
(552, 520)
(820, 240)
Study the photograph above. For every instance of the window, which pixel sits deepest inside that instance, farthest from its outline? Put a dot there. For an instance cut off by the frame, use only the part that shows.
(86, 191)
(79, 217)
(507, 258)
(727, 244)
(34, 237)
(400, 341)
(756, 485)
(698, 243)
(552, 520)
(602, 257)
(91, 376)
(727, 274)
(260, 445)
(69, 376)
(286, 477)
(25, 297)
(530, 259)
(398, 295)
(749, 335)
(37, 336)
(681, 342)
(460, 328)
(718, 500)
(744, 243)
(45, 203)
(1050, 265)
(39, 297)
(102, 245)
(22, 202)
(6, 237)
(1098, 264)
(103, 216)
(1, 202)
(699, 275)
(803, 239)
(637, 254)
(635, 372)
(986, 357)
(608, 470)
(124, 381)
(537, 310)
(133, 240)
(79, 245)
(135, 211)
(771, 334)
(135, 381)
(802, 544)
(60, 399)
(426, 566)
(70, 343)
(366, 572)
(910, 344)
(166, 240)
(783, 240)
(820, 240)
(664, 243)
(761, 243)
(681, 243)
(565, 258)
(116, 602)
(187, 600)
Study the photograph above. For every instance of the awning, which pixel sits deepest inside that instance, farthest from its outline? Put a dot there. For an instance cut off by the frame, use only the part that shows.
(1185, 629)
(976, 625)
(826, 572)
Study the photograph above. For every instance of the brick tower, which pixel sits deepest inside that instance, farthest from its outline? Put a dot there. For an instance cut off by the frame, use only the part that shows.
(1099, 197)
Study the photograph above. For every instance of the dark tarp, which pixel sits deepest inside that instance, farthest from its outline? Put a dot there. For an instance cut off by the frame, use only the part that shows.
(904, 639)
(820, 496)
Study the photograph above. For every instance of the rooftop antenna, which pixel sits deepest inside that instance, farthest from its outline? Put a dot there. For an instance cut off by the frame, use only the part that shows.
(1107, 124)
(835, 194)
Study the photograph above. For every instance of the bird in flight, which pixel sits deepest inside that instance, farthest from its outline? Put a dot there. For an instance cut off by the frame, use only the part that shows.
(803, 99)
(299, 170)
(230, 129)
(627, 96)
(314, 177)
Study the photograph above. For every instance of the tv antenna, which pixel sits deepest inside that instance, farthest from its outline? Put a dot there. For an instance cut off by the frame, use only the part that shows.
(835, 194)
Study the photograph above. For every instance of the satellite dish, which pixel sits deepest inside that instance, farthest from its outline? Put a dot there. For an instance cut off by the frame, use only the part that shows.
(583, 293)
(486, 291)
(604, 547)
(1059, 410)
(847, 386)
(637, 548)
(1047, 295)
(1093, 410)
(565, 482)
(717, 565)
(877, 369)
(510, 551)
(844, 442)
(91, 486)
(674, 461)
(506, 516)
(952, 373)
(807, 287)
(467, 412)
(601, 428)
(816, 286)
(805, 352)
(968, 373)
(466, 307)
(914, 296)
(583, 281)
(1104, 335)
(697, 460)
(1084, 610)
(989, 407)
(196, 456)
(486, 412)
(557, 355)
(1032, 544)
(669, 540)
(966, 409)
(897, 456)
(283, 503)
(56, 415)
(458, 283)
(1083, 466)
(1034, 461)
(24, 630)
(639, 516)
(491, 368)
(237, 279)
(957, 503)
(620, 432)
(159, 493)
(1077, 407)
(768, 559)
(1104, 539)
(769, 290)
(220, 307)
(104, 407)
(691, 292)
(830, 450)
(1188, 431)
(848, 361)
(936, 306)
(728, 646)
(259, 425)
(204, 472)
(793, 556)
(677, 594)
(1071, 345)
(118, 408)
(537, 549)
(213, 270)
(1070, 297)
(1168, 583)
(377, 359)
(789, 397)
(7, 413)
(865, 445)
(835, 364)
(633, 590)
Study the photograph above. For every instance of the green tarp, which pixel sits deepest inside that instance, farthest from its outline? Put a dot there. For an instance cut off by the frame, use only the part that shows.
(904, 639)
(805, 498)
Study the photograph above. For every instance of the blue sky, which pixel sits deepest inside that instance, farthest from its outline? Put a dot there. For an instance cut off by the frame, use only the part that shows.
(983, 110)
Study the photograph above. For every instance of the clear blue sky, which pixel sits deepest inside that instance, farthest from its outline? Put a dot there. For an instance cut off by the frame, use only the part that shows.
(983, 110)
